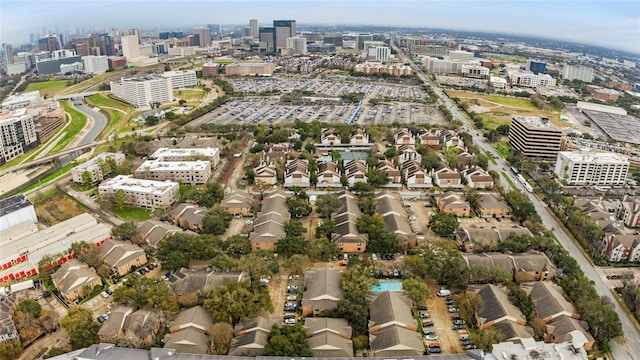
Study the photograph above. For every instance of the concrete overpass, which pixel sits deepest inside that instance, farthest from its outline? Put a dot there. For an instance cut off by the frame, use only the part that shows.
(74, 152)
(77, 95)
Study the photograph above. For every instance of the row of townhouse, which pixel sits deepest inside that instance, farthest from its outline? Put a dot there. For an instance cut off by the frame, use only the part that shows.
(562, 323)
(346, 234)
(529, 266)
(618, 242)
(268, 227)
(489, 205)
(329, 137)
(395, 219)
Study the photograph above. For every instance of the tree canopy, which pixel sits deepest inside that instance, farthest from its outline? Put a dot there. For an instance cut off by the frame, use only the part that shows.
(83, 331)
(290, 341)
(443, 224)
(234, 301)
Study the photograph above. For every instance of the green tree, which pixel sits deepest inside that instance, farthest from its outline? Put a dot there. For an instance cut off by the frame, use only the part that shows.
(151, 120)
(234, 301)
(523, 209)
(445, 265)
(54, 351)
(160, 297)
(10, 349)
(290, 341)
(221, 335)
(216, 221)
(522, 300)
(362, 188)
(377, 177)
(443, 224)
(485, 338)
(429, 159)
(417, 290)
(125, 231)
(415, 266)
(298, 207)
(323, 249)
(326, 204)
(119, 199)
(468, 302)
(355, 309)
(473, 196)
(83, 331)
(211, 195)
(325, 229)
(30, 307)
(503, 129)
(87, 179)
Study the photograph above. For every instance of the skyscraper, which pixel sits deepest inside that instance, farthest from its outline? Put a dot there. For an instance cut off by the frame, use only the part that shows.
(50, 43)
(362, 38)
(204, 36)
(267, 36)
(130, 46)
(253, 24)
(8, 55)
(283, 29)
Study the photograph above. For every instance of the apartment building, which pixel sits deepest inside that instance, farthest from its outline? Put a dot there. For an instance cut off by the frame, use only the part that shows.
(95, 64)
(601, 93)
(95, 167)
(535, 137)
(181, 79)
(147, 194)
(143, 90)
(475, 71)
(189, 172)
(379, 53)
(577, 72)
(250, 69)
(17, 134)
(529, 79)
(581, 168)
(172, 154)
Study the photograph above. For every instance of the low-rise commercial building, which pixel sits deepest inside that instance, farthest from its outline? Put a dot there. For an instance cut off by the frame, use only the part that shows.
(586, 168)
(172, 154)
(147, 194)
(250, 69)
(15, 210)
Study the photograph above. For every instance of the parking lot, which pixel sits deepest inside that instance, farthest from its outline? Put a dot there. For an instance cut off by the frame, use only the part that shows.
(402, 103)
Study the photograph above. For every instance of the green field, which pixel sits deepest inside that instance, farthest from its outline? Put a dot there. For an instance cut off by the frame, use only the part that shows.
(503, 148)
(47, 88)
(133, 214)
(118, 119)
(189, 94)
(224, 62)
(78, 122)
(523, 103)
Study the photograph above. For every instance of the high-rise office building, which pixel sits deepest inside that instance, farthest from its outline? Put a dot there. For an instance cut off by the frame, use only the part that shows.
(104, 42)
(362, 38)
(50, 43)
(266, 38)
(8, 55)
(215, 28)
(253, 24)
(283, 29)
(333, 38)
(130, 46)
(298, 45)
(535, 137)
(536, 67)
(379, 53)
(204, 36)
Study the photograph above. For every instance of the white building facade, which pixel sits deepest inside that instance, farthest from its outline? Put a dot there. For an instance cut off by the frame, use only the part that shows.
(379, 53)
(577, 72)
(181, 79)
(95, 64)
(189, 172)
(141, 91)
(170, 154)
(146, 194)
(94, 167)
(591, 168)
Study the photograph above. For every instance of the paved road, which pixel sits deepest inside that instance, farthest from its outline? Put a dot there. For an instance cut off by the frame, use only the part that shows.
(99, 123)
(629, 349)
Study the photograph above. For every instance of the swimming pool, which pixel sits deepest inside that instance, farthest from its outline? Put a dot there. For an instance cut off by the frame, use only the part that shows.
(387, 285)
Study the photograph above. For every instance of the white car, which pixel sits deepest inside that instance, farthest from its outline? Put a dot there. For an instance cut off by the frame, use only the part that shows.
(290, 321)
(292, 298)
(374, 257)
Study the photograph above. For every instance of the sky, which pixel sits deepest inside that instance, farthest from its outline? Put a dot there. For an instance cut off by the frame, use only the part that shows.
(614, 24)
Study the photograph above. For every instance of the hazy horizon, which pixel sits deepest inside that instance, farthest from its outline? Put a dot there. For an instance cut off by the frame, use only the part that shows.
(610, 24)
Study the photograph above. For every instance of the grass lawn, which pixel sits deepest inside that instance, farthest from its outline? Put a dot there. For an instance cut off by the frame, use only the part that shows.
(117, 119)
(189, 94)
(224, 62)
(78, 122)
(491, 158)
(116, 145)
(523, 103)
(133, 214)
(509, 181)
(47, 88)
(503, 148)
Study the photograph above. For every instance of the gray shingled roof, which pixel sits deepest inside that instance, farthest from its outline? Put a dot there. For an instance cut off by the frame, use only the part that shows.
(495, 304)
(548, 299)
(390, 307)
(396, 341)
(188, 341)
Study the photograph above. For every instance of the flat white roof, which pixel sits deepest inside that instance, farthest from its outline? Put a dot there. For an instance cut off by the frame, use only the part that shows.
(21, 98)
(95, 160)
(129, 183)
(152, 165)
(59, 237)
(595, 157)
(583, 105)
(161, 152)
(535, 121)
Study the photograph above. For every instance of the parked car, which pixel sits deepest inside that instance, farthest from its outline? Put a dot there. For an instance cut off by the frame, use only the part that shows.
(101, 319)
(430, 335)
(427, 324)
(423, 307)
(374, 257)
(396, 272)
(458, 321)
(453, 309)
(444, 292)
(292, 298)
(292, 288)
(457, 327)
(424, 315)
(104, 294)
(290, 319)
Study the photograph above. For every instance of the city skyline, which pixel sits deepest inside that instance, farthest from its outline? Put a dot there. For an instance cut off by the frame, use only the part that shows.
(611, 24)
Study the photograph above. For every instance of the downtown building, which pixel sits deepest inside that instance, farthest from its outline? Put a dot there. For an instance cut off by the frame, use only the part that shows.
(95, 64)
(535, 137)
(283, 29)
(586, 168)
(203, 36)
(141, 193)
(48, 63)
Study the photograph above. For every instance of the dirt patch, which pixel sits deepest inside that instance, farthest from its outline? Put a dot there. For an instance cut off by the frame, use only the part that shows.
(54, 206)
(235, 228)
(478, 109)
(448, 339)
(278, 293)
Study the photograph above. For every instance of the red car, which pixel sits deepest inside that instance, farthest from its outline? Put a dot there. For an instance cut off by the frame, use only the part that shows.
(343, 264)
(434, 345)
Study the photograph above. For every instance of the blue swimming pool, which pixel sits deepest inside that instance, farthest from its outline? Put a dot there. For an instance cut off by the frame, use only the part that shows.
(387, 285)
